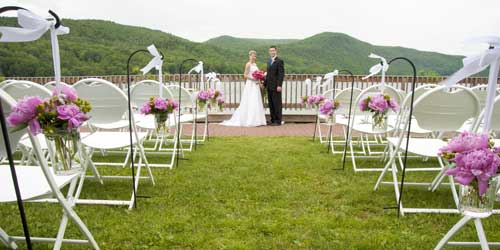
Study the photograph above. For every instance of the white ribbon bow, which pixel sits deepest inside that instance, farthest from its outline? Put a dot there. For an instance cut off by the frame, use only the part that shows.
(32, 28)
(375, 69)
(199, 69)
(212, 76)
(331, 75)
(477, 63)
(157, 63)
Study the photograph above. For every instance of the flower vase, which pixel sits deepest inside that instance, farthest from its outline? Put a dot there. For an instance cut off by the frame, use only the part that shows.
(201, 107)
(66, 146)
(475, 205)
(379, 122)
(213, 104)
(160, 123)
(221, 107)
(330, 119)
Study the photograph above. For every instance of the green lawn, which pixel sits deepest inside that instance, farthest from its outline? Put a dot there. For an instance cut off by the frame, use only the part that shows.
(255, 193)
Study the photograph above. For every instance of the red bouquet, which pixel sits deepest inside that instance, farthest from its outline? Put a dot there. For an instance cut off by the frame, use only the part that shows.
(259, 75)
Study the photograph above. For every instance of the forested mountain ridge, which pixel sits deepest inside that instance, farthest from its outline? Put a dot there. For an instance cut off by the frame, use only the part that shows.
(96, 47)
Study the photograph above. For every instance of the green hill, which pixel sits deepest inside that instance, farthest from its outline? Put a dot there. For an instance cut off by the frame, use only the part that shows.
(96, 47)
(241, 45)
(326, 51)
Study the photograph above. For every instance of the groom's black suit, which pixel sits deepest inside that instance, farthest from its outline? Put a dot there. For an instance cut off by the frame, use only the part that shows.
(274, 79)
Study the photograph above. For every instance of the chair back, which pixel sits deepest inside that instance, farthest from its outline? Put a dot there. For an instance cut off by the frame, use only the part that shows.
(19, 89)
(441, 110)
(143, 90)
(188, 100)
(109, 103)
(495, 117)
(8, 104)
(344, 98)
(52, 84)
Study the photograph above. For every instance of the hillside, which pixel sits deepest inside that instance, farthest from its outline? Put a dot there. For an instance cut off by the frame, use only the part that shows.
(96, 47)
(325, 51)
(245, 44)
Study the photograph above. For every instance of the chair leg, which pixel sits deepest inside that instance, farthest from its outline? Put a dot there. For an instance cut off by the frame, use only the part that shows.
(353, 159)
(386, 168)
(452, 232)
(481, 235)
(315, 128)
(143, 156)
(4, 239)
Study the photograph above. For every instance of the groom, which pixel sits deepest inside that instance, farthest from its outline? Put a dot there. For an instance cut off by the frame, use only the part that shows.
(273, 83)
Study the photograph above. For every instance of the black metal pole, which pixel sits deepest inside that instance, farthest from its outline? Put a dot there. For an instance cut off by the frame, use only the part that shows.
(348, 116)
(8, 149)
(181, 67)
(130, 122)
(409, 130)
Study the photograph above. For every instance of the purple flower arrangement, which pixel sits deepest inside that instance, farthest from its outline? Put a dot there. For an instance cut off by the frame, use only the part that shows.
(210, 96)
(313, 101)
(475, 158)
(57, 113)
(378, 104)
(328, 107)
(157, 105)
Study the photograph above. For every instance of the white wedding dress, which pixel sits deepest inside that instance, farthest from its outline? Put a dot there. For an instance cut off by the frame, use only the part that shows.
(251, 111)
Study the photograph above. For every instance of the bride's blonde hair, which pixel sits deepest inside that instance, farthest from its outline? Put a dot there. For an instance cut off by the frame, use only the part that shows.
(252, 52)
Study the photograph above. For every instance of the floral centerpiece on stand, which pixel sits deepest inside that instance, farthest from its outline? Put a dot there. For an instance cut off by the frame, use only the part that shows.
(379, 105)
(328, 108)
(161, 108)
(313, 101)
(216, 99)
(203, 97)
(474, 164)
(58, 118)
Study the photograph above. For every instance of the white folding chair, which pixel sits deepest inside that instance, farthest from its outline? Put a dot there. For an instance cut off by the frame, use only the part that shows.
(140, 93)
(188, 111)
(39, 182)
(109, 106)
(481, 92)
(436, 110)
(18, 90)
(361, 124)
(341, 117)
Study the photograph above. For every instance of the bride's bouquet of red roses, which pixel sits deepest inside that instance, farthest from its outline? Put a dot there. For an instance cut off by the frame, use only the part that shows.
(259, 75)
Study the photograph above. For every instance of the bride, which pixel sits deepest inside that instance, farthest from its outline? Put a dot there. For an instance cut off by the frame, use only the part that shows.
(251, 111)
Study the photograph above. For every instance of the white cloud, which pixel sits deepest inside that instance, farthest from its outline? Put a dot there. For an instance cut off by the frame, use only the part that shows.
(424, 24)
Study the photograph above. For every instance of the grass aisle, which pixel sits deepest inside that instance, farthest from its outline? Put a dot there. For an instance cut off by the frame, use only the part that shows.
(254, 193)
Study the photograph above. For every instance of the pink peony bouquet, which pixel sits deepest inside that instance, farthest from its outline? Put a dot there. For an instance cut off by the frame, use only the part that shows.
(211, 97)
(328, 107)
(475, 158)
(157, 105)
(259, 75)
(57, 113)
(314, 100)
(378, 104)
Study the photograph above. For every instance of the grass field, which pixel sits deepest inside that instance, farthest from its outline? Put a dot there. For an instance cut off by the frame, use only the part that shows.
(255, 193)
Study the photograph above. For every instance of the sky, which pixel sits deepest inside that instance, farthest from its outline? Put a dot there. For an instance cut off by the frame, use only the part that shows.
(430, 25)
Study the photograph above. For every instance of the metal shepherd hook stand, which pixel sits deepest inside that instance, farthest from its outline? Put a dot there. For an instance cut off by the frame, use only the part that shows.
(398, 207)
(348, 116)
(130, 120)
(181, 67)
(9, 149)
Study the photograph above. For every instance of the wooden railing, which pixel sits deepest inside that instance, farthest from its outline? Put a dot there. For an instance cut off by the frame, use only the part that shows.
(293, 87)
